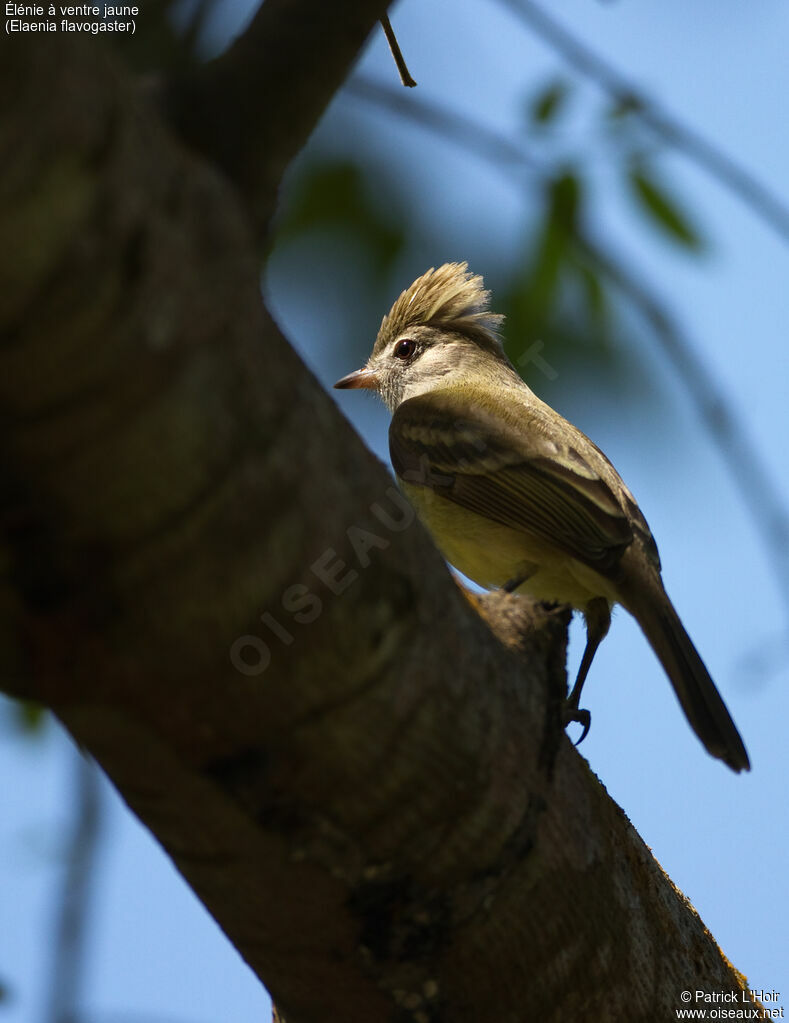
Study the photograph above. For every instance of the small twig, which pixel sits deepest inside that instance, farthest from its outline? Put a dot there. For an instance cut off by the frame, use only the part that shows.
(72, 911)
(394, 46)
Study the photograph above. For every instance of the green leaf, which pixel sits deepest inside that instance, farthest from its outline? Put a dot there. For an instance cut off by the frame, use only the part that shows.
(546, 270)
(338, 194)
(623, 105)
(663, 209)
(594, 294)
(549, 102)
(31, 716)
(565, 198)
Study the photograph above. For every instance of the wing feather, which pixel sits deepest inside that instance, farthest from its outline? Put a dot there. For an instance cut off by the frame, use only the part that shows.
(481, 462)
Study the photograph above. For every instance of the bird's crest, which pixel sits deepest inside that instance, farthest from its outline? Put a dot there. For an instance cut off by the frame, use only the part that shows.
(450, 297)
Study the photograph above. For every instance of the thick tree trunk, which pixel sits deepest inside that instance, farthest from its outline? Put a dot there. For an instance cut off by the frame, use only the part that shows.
(359, 769)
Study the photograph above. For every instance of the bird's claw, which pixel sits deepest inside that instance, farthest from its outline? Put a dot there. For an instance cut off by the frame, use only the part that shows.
(581, 717)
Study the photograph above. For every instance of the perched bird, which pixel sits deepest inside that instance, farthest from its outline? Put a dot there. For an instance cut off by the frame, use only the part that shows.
(517, 497)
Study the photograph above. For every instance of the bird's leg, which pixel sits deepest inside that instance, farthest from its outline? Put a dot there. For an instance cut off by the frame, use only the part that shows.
(598, 618)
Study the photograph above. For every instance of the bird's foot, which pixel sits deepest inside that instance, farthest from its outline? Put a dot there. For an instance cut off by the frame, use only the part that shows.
(572, 714)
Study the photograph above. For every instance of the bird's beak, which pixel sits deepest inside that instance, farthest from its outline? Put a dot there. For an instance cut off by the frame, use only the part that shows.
(364, 378)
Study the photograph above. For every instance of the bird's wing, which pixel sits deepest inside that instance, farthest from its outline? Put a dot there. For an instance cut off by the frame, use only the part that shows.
(535, 484)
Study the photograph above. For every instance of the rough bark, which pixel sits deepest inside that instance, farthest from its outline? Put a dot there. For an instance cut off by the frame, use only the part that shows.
(380, 809)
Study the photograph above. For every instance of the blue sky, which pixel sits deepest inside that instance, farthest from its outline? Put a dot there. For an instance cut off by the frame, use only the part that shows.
(721, 67)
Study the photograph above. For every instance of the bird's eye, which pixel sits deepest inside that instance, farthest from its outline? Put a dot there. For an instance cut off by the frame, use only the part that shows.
(405, 348)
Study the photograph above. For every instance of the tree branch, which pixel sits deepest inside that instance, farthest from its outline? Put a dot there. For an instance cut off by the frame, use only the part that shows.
(252, 109)
(746, 469)
(69, 947)
(359, 768)
(732, 175)
(486, 143)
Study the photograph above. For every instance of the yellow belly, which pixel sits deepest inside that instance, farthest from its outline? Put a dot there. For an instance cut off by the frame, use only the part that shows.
(493, 555)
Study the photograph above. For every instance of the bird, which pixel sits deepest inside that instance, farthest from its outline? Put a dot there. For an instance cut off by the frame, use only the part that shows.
(518, 498)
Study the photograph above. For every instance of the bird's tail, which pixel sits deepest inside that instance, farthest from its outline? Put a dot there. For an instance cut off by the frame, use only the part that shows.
(696, 692)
